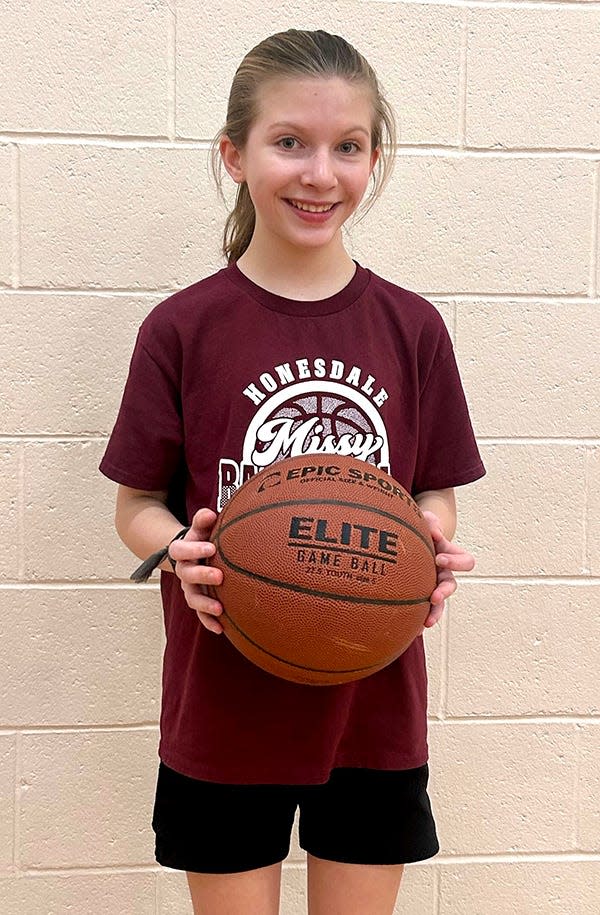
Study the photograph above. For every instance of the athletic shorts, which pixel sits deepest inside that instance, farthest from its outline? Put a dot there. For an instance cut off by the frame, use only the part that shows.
(360, 816)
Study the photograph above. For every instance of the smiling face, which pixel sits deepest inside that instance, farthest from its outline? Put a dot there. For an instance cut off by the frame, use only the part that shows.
(307, 161)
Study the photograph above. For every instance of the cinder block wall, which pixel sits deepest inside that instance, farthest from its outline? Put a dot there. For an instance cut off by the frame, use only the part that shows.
(106, 208)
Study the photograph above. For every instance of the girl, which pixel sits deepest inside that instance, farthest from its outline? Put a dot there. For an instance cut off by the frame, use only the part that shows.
(272, 356)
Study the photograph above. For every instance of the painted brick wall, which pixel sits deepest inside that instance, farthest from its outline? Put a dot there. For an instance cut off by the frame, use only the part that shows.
(106, 207)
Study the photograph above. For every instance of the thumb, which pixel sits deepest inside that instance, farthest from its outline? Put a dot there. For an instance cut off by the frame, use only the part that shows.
(202, 525)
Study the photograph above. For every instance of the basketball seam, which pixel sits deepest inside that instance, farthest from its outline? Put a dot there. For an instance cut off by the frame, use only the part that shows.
(345, 598)
(289, 502)
(316, 670)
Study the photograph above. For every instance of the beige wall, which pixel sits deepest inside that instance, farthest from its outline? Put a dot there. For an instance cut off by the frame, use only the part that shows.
(105, 208)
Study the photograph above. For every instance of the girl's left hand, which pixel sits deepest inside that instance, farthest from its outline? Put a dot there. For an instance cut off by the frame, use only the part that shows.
(449, 558)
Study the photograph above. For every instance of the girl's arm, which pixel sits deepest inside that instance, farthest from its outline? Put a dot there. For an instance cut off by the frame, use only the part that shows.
(439, 509)
(145, 525)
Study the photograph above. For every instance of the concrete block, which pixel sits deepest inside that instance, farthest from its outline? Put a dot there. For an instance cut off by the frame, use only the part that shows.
(434, 640)
(471, 224)
(503, 788)
(293, 890)
(532, 81)
(70, 507)
(520, 888)
(94, 894)
(134, 218)
(524, 649)
(85, 68)
(415, 51)
(173, 893)
(109, 643)
(526, 517)
(418, 892)
(10, 458)
(530, 369)
(588, 830)
(64, 360)
(86, 799)
(297, 854)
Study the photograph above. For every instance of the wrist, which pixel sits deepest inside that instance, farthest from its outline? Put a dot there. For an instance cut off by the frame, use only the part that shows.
(144, 571)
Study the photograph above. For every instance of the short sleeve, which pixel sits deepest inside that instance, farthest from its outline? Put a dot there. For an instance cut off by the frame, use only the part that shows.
(145, 448)
(447, 454)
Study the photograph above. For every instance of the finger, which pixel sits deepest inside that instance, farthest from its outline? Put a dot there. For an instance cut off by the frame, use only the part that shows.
(456, 561)
(435, 615)
(434, 523)
(191, 573)
(202, 524)
(210, 623)
(200, 602)
(443, 591)
(191, 550)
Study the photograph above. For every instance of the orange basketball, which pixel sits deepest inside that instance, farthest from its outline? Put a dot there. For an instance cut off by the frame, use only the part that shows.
(328, 567)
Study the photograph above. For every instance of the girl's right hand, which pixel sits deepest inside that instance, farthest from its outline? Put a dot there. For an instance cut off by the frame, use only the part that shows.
(188, 554)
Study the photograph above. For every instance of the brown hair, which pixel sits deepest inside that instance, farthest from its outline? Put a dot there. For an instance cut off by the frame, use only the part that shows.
(301, 54)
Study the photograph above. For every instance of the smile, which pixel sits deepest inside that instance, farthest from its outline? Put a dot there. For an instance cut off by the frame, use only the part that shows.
(310, 207)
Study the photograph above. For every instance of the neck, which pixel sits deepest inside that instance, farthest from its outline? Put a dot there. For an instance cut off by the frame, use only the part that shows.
(304, 274)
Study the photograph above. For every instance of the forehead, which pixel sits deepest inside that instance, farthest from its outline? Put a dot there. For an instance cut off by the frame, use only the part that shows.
(310, 101)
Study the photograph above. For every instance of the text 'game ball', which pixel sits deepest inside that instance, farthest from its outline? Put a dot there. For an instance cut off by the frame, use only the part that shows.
(328, 567)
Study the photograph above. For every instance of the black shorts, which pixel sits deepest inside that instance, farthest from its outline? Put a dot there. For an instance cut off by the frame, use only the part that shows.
(360, 816)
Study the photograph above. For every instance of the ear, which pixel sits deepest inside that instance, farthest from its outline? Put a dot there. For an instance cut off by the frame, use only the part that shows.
(375, 158)
(232, 159)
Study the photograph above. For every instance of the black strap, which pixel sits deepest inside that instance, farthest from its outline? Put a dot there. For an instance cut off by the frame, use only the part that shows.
(143, 572)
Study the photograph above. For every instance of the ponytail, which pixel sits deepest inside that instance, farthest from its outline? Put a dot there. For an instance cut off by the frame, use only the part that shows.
(239, 226)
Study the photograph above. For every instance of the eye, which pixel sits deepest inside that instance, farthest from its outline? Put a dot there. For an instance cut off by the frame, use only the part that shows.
(287, 143)
(349, 147)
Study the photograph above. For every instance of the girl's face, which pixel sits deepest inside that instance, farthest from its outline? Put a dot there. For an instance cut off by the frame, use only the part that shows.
(307, 160)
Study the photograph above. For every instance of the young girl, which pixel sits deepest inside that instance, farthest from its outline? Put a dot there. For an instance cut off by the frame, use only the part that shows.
(291, 348)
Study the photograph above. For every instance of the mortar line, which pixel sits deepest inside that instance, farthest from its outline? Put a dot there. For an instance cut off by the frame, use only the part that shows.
(587, 514)
(172, 73)
(17, 797)
(15, 273)
(471, 721)
(577, 791)
(65, 437)
(593, 291)
(441, 860)
(520, 720)
(157, 894)
(507, 4)
(129, 141)
(437, 890)
(445, 662)
(29, 730)
(463, 80)
(443, 298)
(466, 578)
(21, 513)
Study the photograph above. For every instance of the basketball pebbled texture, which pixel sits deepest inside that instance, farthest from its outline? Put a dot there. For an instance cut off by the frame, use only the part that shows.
(328, 567)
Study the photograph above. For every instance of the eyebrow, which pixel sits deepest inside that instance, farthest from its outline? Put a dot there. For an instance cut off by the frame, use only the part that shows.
(288, 125)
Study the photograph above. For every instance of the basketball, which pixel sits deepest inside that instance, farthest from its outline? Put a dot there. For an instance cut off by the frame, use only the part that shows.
(328, 567)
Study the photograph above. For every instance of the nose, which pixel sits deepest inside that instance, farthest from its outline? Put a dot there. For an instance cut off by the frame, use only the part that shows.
(319, 170)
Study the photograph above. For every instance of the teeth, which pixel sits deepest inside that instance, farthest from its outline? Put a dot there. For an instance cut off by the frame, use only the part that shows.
(309, 208)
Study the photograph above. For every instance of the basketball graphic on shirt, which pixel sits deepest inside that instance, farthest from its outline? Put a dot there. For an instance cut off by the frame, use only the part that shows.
(331, 418)
(318, 416)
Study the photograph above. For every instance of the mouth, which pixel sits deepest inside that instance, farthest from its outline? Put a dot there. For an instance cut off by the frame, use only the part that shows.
(311, 207)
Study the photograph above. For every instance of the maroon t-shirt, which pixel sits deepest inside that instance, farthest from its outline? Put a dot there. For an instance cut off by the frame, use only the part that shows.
(227, 378)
